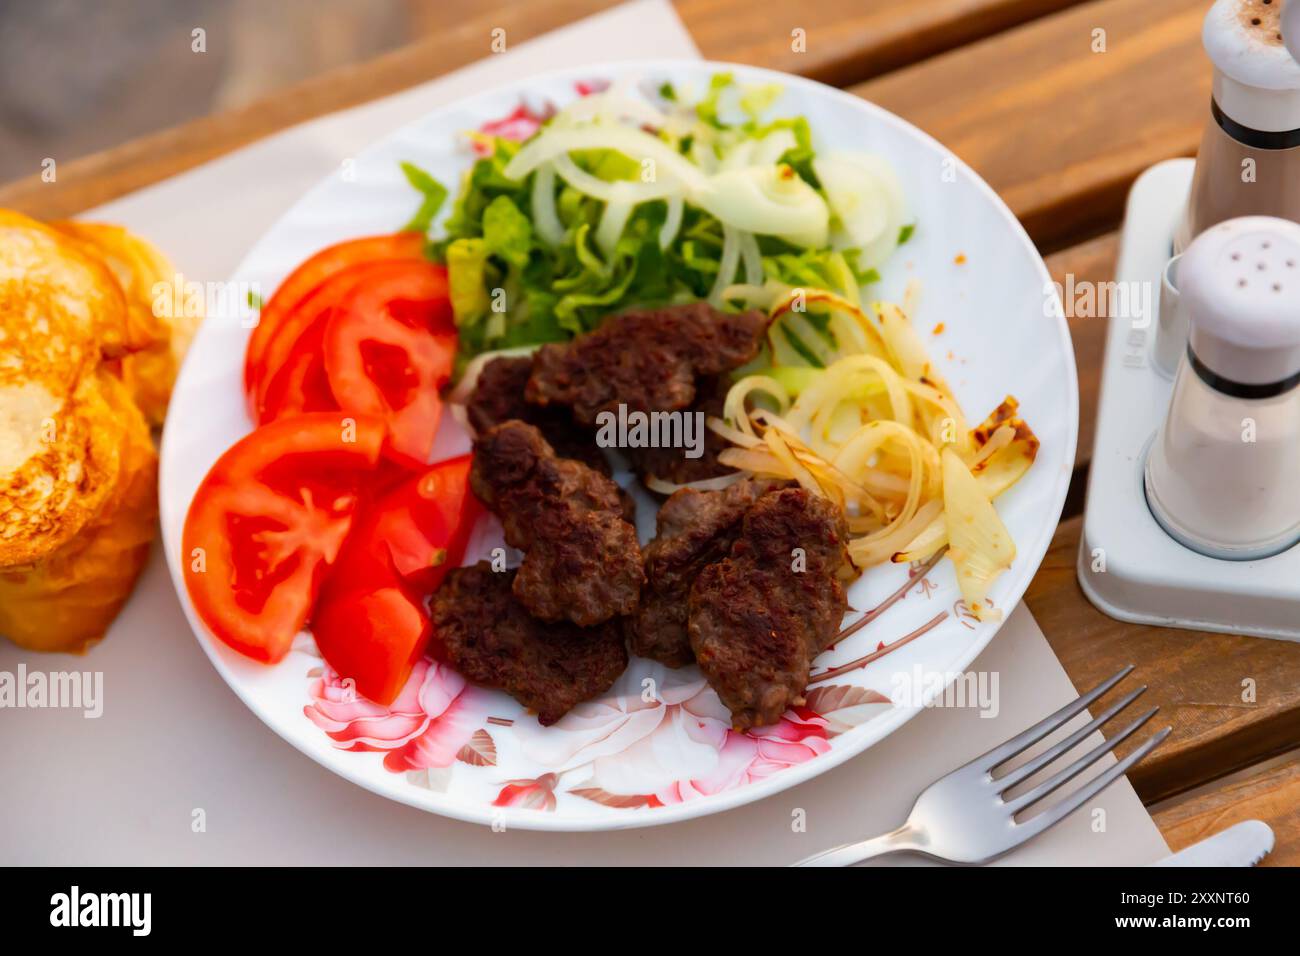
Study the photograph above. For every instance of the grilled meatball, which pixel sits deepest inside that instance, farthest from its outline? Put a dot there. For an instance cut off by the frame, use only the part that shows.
(492, 639)
(755, 622)
(499, 396)
(694, 529)
(582, 560)
(649, 360)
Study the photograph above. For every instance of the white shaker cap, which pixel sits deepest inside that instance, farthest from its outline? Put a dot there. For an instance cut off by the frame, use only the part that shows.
(1256, 78)
(1240, 287)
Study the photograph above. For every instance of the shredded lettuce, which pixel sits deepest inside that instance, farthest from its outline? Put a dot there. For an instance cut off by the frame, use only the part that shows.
(434, 192)
(510, 286)
(467, 263)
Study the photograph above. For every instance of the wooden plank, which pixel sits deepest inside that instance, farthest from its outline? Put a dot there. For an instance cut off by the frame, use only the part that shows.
(97, 178)
(1061, 131)
(847, 41)
(1232, 701)
(1270, 792)
(844, 38)
(1090, 262)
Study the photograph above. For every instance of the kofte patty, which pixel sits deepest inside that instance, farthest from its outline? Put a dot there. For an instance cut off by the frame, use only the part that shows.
(492, 639)
(648, 360)
(757, 618)
(694, 529)
(582, 561)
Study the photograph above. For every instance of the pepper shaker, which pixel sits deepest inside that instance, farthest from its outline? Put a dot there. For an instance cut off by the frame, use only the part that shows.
(1223, 474)
(1249, 160)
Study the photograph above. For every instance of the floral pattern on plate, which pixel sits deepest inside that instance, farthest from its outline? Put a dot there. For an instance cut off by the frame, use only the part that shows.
(625, 750)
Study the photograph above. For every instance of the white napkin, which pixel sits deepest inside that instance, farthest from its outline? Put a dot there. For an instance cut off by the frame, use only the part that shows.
(173, 740)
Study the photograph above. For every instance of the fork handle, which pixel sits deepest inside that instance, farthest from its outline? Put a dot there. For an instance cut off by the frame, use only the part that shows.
(904, 838)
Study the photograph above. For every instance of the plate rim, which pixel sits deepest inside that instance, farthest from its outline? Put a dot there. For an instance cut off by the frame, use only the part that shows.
(884, 725)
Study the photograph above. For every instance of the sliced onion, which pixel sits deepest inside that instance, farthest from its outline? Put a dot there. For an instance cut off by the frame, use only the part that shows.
(739, 156)
(704, 484)
(545, 217)
(773, 146)
(598, 188)
(888, 191)
(752, 257)
(797, 324)
(635, 143)
(622, 101)
(853, 189)
(733, 435)
(703, 156)
(613, 220)
(763, 296)
(733, 408)
(770, 201)
(979, 544)
(673, 223)
(727, 267)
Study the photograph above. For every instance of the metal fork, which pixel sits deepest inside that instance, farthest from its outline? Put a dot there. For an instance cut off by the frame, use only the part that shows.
(965, 818)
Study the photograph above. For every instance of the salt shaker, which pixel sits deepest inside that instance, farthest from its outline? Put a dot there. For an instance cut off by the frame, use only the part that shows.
(1223, 474)
(1249, 160)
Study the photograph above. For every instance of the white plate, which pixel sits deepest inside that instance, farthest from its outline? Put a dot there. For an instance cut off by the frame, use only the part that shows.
(633, 758)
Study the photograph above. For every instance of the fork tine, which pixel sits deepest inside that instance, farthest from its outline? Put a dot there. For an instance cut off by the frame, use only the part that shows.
(1073, 770)
(1018, 744)
(1032, 767)
(1089, 790)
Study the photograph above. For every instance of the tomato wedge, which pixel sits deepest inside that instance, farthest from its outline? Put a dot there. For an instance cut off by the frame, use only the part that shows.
(271, 514)
(389, 348)
(299, 385)
(414, 534)
(371, 623)
(374, 639)
(300, 283)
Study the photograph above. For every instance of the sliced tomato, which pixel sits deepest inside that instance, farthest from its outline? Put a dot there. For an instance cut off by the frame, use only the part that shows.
(413, 534)
(300, 385)
(300, 284)
(291, 377)
(374, 638)
(371, 623)
(427, 523)
(389, 348)
(270, 516)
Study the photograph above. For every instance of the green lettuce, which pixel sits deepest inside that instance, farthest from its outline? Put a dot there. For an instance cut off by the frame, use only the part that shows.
(511, 287)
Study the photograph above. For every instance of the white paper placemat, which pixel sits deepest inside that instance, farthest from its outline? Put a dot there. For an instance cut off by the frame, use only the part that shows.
(126, 787)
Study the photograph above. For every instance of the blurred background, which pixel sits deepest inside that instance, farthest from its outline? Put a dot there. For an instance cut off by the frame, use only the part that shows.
(73, 80)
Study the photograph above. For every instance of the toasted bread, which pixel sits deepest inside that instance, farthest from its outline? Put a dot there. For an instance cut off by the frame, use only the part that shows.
(56, 477)
(157, 306)
(66, 599)
(61, 310)
(82, 350)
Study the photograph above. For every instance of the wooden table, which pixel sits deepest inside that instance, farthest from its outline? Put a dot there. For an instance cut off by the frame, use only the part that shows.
(1059, 104)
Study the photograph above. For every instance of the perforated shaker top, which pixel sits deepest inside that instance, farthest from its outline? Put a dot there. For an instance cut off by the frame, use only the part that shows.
(1240, 283)
(1257, 79)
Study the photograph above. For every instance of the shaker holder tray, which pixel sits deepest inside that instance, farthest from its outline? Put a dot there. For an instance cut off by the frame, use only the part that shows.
(1128, 566)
